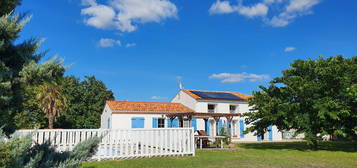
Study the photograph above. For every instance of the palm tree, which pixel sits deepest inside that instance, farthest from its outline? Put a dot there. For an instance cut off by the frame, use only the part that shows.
(51, 100)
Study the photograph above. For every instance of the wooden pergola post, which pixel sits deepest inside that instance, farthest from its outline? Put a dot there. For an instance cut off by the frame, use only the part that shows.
(216, 119)
(206, 122)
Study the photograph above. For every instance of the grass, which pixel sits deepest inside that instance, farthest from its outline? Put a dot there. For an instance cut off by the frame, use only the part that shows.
(283, 154)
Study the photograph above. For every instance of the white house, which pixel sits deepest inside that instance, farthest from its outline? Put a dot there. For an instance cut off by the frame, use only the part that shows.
(203, 110)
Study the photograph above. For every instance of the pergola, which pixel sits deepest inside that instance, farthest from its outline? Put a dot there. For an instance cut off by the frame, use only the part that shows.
(204, 116)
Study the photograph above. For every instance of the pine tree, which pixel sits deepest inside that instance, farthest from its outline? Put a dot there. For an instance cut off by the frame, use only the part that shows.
(13, 57)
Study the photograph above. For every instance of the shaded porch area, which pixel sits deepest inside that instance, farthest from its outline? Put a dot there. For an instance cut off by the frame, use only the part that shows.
(205, 116)
(211, 121)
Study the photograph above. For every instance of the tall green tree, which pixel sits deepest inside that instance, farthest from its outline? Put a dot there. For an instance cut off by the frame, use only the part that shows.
(314, 97)
(13, 57)
(86, 100)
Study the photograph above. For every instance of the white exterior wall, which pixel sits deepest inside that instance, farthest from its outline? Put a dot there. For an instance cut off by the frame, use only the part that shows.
(123, 121)
(107, 113)
(185, 99)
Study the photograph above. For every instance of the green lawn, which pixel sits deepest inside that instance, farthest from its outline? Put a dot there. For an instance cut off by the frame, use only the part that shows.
(287, 154)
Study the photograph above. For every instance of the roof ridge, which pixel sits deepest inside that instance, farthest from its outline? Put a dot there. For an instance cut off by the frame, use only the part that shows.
(147, 106)
(214, 91)
(126, 101)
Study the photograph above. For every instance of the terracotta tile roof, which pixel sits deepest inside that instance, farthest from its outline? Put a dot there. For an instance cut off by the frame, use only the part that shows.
(147, 106)
(189, 92)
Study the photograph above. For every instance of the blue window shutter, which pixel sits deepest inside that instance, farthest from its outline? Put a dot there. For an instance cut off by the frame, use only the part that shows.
(141, 121)
(133, 123)
(219, 126)
(175, 123)
(270, 131)
(168, 123)
(241, 127)
(259, 137)
(137, 122)
(208, 129)
(154, 122)
(194, 124)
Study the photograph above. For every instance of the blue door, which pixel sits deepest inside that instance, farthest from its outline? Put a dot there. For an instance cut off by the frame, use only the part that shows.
(270, 131)
(241, 127)
(259, 136)
(137, 122)
(175, 123)
(154, 122)
(207, 127)
(194, 124)
(219, 127)
(168, 123)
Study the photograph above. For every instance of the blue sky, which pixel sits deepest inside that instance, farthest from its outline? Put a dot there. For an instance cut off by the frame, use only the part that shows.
(139, 48)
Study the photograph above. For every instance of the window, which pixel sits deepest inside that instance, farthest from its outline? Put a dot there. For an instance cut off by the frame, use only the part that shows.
(232, 108)
(211, 108)
(108, 123)
(161, 123)
(185, 123)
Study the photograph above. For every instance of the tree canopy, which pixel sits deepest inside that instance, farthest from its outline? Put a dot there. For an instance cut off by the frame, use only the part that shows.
(314, 97)
(13, 57)
(86, 100)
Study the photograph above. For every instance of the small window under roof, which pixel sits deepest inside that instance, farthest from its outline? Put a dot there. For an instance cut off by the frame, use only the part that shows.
(216, 95)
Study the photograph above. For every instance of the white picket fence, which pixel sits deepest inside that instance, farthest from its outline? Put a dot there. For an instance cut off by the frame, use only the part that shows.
(122, 143)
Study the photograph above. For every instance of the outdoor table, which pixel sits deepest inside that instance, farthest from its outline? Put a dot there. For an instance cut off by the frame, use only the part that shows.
(209, 137)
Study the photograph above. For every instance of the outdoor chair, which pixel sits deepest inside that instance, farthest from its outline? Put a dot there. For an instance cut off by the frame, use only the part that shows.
(205, 140)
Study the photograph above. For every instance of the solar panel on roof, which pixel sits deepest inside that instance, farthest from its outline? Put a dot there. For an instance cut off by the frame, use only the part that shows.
(216, 95)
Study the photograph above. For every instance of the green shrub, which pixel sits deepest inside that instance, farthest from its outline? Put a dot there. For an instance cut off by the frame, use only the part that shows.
(18, 152)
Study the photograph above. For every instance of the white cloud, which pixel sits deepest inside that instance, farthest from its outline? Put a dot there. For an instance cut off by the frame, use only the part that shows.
(125, 15)
(88, 2)
(289, 49)
(301, 5)
(272, 1)
(157, 98)
(224, 7)
(258, 9)
(286, 12)
(294, 9)
(107, 42)
(130, 45)
(239, 77)
(221, 7)
(100, 16)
